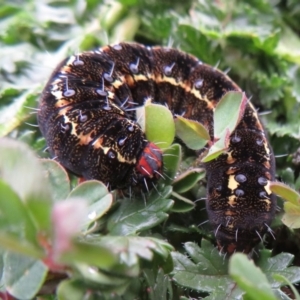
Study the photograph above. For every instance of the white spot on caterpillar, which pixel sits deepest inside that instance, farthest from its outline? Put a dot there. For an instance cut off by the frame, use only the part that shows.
(232, 183)
(117, 47)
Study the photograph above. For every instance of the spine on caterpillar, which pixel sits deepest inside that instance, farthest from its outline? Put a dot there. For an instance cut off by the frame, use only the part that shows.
(87, 117)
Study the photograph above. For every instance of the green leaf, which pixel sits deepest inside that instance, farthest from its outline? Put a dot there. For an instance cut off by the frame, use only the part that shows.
(126, 29)
(71, 289)
(58, 179)
(187, 180)
(21, 246)
(134, 247)
(250, 278)
(158, 124)
(89, 288)
(279, 277)
(24, 276)
(97, 197)
(289, 44)
(227, 115)
(295, 77)
(191, 132)
(91, 191)
(217, 148)
(107, 280)
(285, 192)
(127, 252)
(159, 285)
(15, 218)
(111, 14)
(228, 112)
(172, 159)
(22, 171)
(94, 254)
(134, 215)
(12, 115)
(182, 204)
(204, 271)
(279, 264)
(291, 217)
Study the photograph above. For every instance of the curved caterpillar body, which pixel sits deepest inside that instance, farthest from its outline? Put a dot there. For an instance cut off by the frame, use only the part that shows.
(87, 117)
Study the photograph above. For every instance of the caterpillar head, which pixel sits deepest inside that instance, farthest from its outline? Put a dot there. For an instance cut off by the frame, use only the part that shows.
(149, 167)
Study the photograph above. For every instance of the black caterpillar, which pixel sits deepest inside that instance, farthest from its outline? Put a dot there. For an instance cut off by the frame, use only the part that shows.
(87, 117)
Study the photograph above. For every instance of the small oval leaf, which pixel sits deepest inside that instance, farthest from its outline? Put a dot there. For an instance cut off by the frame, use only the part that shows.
(158, 123)
(191, 132)
(228, 112)
(182, 204)
(187, 180)
(285, 192)
(24, 276)
(291, 217)
(58, 179)
(217, 148)
(172, 159)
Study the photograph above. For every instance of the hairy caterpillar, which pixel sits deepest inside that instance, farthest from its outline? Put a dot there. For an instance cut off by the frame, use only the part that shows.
(87, 117)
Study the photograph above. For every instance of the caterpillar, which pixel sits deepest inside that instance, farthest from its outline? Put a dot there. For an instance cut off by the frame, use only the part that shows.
(86, 114)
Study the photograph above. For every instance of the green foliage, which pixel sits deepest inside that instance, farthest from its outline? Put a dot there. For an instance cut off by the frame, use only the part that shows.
(130, 246)
(70, 240)
(205, 270)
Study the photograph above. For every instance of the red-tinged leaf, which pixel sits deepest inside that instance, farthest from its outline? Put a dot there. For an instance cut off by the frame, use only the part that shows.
(67, 218)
